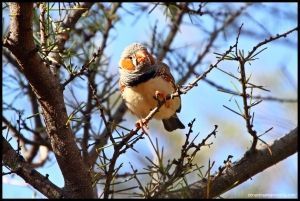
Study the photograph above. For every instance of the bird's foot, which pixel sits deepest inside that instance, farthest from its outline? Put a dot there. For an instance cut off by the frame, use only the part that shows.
(142, 123)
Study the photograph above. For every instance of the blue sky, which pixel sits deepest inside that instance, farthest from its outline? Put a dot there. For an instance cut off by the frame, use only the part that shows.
(204, 102)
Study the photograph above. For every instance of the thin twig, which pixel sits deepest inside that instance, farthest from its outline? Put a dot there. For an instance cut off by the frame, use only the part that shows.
(43, 33)
(173, 31)
(99, 52)
(272, 38)
(265, 98)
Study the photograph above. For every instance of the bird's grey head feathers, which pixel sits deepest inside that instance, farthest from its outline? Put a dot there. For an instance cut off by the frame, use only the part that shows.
(141, 69)
(131, 49)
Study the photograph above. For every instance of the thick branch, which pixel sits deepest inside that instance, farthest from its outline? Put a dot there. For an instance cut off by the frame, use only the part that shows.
(18, 165)
(244, 169)
(48, 91)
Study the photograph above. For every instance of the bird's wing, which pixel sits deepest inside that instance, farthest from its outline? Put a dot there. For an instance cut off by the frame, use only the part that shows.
(165, 73)
(121, 86)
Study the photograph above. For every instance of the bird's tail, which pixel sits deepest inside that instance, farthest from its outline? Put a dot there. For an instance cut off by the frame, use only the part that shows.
(172, 123)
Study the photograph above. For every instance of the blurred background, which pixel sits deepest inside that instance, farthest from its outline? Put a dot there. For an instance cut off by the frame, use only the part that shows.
(189, 54)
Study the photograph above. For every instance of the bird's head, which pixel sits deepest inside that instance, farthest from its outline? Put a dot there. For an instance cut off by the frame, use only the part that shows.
(135, 57)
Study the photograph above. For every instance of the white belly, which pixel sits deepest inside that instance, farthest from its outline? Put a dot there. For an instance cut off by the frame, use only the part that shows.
(139, 99)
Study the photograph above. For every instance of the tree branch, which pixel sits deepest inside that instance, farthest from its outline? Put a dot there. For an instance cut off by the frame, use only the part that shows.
(265, 98)
(15, 133)
(67, 25)
(100, 50)
(242, 170)
(91, 83)
(272, 38)
(213, 36)
(117, 117)
(48, 91)
(173, 31)
(17, 165)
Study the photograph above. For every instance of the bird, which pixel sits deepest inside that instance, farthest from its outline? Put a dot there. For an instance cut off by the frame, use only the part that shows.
(143, 81)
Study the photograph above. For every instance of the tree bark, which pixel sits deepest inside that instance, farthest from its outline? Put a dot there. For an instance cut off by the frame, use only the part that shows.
(18, 165)
(50, 95)
(242, 170)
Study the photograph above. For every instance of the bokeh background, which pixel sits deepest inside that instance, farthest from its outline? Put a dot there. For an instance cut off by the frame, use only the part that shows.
(276, 69)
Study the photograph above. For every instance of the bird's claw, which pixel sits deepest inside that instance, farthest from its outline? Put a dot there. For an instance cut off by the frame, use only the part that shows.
(141, 124)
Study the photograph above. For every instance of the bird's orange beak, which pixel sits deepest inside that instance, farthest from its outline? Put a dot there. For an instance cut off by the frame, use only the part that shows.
(143, 56)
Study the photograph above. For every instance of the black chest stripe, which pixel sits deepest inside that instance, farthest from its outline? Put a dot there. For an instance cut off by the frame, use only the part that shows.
(143, 78)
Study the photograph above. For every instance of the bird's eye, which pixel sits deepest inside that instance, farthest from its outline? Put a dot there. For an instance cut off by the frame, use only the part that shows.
(130, 57)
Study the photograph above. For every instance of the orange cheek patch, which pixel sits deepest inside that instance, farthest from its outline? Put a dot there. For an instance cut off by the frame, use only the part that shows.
(127, 64)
